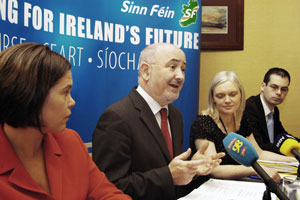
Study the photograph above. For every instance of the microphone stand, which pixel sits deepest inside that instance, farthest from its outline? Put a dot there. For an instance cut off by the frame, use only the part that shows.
(271, 185)
(267, 194)
(297, 156)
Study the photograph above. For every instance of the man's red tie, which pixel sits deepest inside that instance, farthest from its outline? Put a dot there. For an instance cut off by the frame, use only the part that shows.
(165, 130)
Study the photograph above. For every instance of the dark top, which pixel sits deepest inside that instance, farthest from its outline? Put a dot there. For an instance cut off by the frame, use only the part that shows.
(204, 127)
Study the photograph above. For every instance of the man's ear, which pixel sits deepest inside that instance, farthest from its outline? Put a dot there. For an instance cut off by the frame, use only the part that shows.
(262, 86)
(145, 70)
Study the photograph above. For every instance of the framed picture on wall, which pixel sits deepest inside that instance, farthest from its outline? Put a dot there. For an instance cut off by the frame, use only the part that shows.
(222, 26)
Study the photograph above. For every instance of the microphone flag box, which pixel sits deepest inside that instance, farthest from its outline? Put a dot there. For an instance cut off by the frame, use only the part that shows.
(285, 143)
(240, 149)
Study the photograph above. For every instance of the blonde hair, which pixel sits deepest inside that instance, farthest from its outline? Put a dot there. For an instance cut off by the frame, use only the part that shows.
(219, 79)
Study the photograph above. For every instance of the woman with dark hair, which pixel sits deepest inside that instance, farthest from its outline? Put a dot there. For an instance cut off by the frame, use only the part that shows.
(39, 157)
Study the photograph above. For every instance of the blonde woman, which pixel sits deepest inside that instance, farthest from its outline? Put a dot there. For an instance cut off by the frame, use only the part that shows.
(226, 103)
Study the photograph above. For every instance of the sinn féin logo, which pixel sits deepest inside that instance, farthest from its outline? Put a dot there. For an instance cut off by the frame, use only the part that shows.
(189, 13)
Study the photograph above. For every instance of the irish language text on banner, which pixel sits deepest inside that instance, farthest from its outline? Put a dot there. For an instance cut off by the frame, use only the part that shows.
(102, 40)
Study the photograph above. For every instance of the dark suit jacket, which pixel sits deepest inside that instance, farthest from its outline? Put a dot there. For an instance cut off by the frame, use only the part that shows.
(254, 111)
(129, 147)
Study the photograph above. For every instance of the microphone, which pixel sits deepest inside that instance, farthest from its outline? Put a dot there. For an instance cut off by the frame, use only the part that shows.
(242, 151)
(288, 145)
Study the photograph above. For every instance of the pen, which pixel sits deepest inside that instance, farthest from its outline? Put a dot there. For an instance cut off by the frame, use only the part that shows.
(255, 177)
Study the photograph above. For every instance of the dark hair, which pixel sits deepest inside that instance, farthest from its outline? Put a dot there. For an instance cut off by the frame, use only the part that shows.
(278, 71)
(27, 73)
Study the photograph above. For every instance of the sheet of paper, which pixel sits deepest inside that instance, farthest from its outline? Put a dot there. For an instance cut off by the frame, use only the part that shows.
(216, 189)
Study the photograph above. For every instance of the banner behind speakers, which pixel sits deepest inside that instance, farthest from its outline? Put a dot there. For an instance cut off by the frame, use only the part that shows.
(102, 40)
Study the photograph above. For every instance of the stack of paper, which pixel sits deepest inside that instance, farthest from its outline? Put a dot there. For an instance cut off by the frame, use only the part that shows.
(283, 168)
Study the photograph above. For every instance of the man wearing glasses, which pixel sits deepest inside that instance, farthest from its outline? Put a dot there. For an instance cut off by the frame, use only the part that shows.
(261, 111)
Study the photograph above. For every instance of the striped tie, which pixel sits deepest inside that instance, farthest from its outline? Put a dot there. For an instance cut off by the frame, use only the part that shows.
(270, 125)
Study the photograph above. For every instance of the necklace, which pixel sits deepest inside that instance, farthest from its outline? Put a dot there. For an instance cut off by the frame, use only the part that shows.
(223, 125)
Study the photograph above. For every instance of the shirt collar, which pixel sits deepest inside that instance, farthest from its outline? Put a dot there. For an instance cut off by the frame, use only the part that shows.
(154, 106)
(266, 108)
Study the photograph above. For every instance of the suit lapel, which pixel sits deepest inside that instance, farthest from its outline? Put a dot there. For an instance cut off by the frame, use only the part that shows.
(149, 120)
(262, 117)
(176, 130)
(276, 122)
(10, 163)
(54, 165)
(21, 178)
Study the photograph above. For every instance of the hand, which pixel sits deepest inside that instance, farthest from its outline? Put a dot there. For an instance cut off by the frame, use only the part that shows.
(272, 173)
(210, 162)
(183, 170)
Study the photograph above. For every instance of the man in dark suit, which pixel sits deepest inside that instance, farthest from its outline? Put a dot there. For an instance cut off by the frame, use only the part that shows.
(261, 111)
(139, 151)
